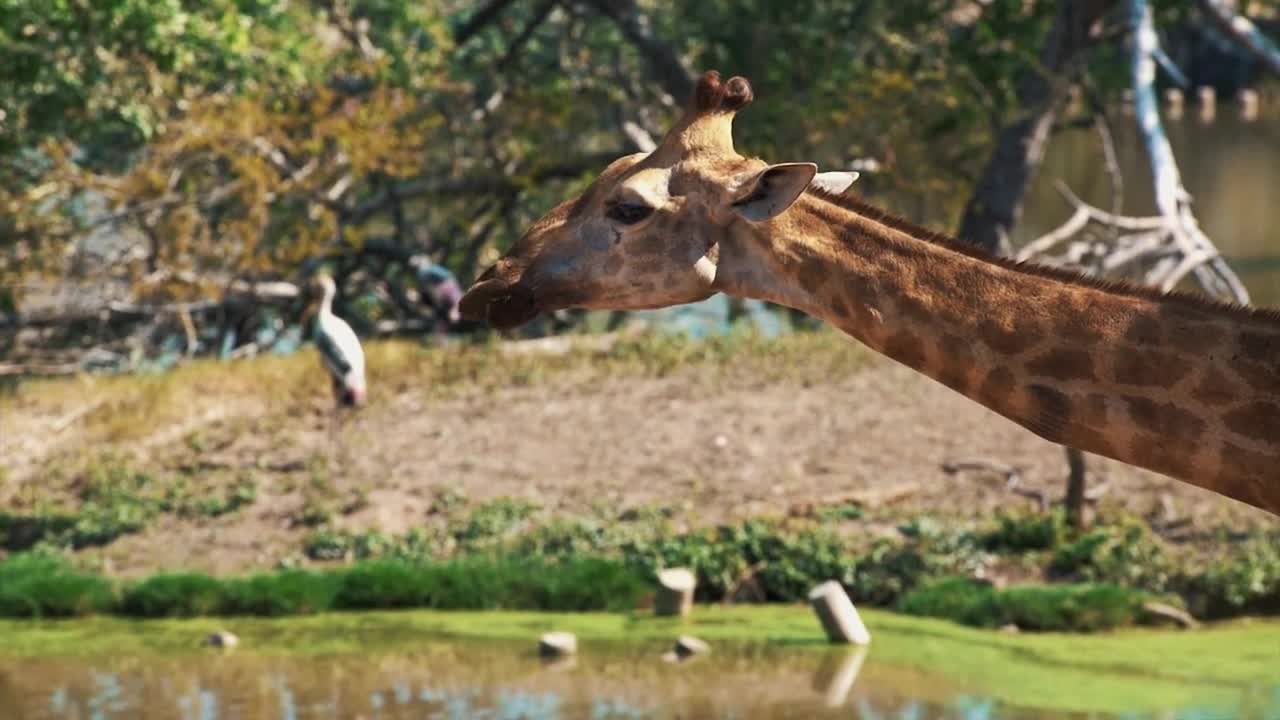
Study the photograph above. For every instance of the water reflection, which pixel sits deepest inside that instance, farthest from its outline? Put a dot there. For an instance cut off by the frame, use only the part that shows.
(501, 682)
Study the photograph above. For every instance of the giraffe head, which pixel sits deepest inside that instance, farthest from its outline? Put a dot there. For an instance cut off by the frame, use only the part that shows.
(647, 232)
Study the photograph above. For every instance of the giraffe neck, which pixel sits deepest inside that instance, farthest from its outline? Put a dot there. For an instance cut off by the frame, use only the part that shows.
(1184, 387)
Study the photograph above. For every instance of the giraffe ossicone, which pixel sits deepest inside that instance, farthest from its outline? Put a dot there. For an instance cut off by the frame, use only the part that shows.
(1175, 383)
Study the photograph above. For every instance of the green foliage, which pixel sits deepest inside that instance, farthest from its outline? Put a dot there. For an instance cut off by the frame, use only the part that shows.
(39, 585)
(179, 499)
(174, 595)
(1025, 533)
(493, 521)
(1247, 582)
(88, 69)
(1048, 608)
(206, 115)
(114, 502)
(1126, 554)
(489, 583)
(474, 583)
(338, 545)
(287, 592)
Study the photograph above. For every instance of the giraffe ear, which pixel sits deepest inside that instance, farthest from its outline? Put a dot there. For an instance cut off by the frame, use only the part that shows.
(834, 182)
(773, 190)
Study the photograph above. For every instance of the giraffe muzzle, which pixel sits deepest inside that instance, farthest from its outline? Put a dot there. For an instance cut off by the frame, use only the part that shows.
(501, 304)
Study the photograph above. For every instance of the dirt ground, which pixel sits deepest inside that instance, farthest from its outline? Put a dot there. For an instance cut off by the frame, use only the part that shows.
(711, 449)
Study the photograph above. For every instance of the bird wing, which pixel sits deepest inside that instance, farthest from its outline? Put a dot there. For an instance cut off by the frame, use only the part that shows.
(339, 347)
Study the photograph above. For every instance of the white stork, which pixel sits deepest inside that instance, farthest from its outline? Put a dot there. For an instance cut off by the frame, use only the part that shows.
(341, 352)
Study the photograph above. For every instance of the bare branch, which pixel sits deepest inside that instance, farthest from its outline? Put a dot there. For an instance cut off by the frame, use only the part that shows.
(1172, 199)
(1243, 31)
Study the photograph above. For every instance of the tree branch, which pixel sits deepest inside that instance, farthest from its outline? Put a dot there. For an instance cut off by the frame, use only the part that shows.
(1172, 199)
(485, 15)
(1243, 31)
(664, 62)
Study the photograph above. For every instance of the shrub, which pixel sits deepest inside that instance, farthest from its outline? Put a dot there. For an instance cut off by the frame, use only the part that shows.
(482, 583)
(492, 522)
(174, 595)
(1056, 608)
(288, 592)
(37, 585)
(1024, 533)
(1247, 583)
(962, 600)
(1068, 608)
(1125, 555)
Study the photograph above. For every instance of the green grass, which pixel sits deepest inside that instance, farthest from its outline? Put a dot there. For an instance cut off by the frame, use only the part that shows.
(1128, 670)
(1044, 608)
(40, 586)
(44, 586)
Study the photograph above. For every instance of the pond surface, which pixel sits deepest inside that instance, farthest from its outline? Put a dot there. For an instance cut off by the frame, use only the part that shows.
(497, 680)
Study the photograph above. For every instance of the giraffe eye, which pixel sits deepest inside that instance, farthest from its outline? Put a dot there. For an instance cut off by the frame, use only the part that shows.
(628, 213)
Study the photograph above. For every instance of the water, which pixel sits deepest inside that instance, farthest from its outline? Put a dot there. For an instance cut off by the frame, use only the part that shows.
(493, 680)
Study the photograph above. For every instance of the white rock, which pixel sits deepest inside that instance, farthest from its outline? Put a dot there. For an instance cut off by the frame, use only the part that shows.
(839, 618)
(555, 644)
(223, 639)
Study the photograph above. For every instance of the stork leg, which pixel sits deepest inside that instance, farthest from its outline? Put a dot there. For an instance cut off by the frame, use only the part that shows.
(334, 420)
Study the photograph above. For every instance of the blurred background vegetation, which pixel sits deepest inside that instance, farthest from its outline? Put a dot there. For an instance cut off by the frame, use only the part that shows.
(155, 152)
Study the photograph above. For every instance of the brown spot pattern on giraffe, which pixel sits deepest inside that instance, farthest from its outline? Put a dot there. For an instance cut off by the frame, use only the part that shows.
(1165, 419)
(811, 274)
(1245, 474)
(1150, 368)
(1193, 338)
(1216, 389)
(1063, 364)
(961, 362)
(1076, 326)
(839, 307)
(1049, 413)
(1149, 451)
(1013, 337)
(1094, 440)
(1144, 330)
(1260, 377)
(649, 245)
(906, 348)
(1258, 420)
(1260, 344)
(1094, 408)
(998, 386)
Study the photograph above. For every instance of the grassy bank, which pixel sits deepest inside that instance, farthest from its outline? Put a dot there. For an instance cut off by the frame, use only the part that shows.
(494, 558)
(1125, 671)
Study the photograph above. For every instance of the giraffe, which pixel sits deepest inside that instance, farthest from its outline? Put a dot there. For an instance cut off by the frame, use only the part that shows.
(1174, 383)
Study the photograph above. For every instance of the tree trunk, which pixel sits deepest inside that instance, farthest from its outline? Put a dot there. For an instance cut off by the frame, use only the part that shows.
(996, 203)
(1075, 489)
